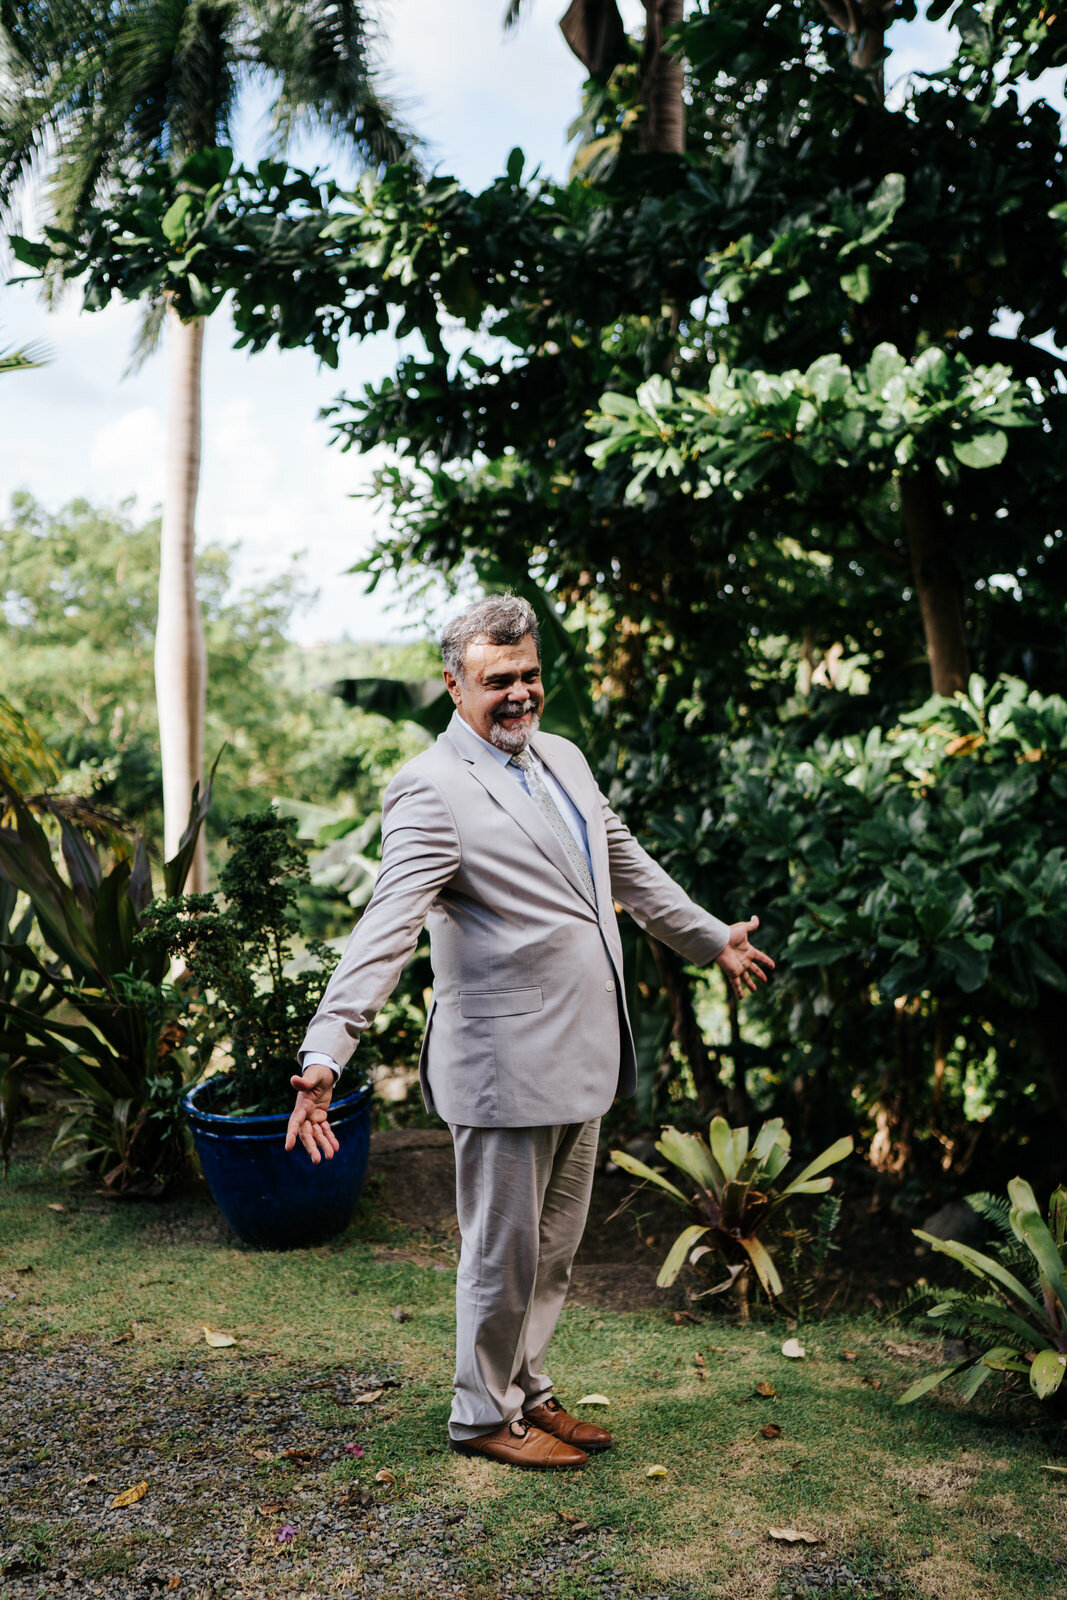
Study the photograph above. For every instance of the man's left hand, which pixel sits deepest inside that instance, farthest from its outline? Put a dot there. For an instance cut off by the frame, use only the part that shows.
(742, 963)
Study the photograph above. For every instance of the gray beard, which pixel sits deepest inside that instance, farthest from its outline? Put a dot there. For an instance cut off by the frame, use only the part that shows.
(512, 741)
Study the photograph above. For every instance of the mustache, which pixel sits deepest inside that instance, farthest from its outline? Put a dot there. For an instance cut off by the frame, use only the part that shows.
(514, 709)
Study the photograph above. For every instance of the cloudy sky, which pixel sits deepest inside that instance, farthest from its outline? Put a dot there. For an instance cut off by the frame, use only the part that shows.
(271, 484)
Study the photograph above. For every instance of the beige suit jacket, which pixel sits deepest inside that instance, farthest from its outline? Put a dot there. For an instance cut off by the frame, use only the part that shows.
(528, 1025)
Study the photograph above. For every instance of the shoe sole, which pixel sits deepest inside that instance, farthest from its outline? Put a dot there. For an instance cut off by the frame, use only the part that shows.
(462, 1449)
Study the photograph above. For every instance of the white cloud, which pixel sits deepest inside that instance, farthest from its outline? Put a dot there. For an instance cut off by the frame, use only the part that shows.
(131, 450)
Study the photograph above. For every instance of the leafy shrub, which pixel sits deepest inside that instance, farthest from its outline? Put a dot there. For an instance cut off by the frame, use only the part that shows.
(735, 1199)
(239, 949)
(1023, 1329)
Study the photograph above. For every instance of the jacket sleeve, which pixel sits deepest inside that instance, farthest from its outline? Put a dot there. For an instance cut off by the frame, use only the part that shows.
(420, 853)
(655, 901)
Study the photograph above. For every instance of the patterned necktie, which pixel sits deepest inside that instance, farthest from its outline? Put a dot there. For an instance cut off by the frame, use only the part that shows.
(542, 799)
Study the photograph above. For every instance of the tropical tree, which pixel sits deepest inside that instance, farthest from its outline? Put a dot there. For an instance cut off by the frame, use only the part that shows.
(91, 96)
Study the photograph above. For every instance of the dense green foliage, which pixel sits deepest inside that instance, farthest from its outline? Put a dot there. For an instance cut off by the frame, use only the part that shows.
(1020, 1326)
(77, 620)
(239, 949)
(779, 423)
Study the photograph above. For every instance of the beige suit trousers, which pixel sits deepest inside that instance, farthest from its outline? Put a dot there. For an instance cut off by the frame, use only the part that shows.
(522, 1197)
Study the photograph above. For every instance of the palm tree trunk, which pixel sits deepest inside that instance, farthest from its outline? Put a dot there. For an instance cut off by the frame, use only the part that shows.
(181, 663)
(663, 73)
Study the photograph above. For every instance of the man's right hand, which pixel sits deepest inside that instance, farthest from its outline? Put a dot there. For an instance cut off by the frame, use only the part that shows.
(308, 1122)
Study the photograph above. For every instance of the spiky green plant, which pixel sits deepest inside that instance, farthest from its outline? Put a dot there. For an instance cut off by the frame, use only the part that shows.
(1023, 1329)
(735, 1198)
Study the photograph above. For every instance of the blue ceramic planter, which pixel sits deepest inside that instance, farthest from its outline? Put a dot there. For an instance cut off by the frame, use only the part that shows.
(274, 1199)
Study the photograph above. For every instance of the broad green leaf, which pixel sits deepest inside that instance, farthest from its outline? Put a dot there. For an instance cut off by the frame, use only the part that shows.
(690, 1154)
(857, 284)
(1046, 1372)
(811, 1186)
(1031, 1230)
(173, 220)
(971, 1382)
(984, 450)
(760, 1257)
(637, 1169)
(677, 1254)
(835, 1152)
(721, 1140)
(983, 1267)
(932, 1380)
(768, 1136)
(1002, 1358)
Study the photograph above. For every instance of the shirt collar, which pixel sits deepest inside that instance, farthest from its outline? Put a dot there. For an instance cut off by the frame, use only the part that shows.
(503, 756)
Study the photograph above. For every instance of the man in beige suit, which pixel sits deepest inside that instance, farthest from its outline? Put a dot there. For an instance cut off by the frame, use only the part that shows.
(499, 839)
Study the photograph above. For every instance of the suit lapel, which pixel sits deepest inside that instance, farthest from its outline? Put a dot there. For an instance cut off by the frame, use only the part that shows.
(510, 794)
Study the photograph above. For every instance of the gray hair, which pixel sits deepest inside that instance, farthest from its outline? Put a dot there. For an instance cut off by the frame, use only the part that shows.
(501, 619)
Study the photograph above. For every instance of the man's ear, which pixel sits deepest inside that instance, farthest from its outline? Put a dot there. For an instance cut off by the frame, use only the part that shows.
(452, 685)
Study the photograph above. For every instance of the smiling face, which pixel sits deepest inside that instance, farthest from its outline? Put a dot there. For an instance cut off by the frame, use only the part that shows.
(500, 694)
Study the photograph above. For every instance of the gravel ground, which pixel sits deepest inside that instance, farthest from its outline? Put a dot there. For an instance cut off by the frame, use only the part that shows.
(229, 1469)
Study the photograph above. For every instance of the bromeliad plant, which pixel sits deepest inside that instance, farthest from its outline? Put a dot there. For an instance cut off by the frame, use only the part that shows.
(97, 1011)
(735, 1198)
(1023, 1329)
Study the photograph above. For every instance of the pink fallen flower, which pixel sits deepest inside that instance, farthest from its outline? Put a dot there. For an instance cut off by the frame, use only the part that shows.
(286, 1533)
(354, 1450)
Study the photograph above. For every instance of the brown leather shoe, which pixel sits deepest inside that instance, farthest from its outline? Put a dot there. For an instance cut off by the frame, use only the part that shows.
(550, 1417)
(520, 1444)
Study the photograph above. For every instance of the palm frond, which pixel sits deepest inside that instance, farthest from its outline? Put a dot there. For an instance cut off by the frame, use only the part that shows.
(24, 358)
(322, 57)
(513, 13)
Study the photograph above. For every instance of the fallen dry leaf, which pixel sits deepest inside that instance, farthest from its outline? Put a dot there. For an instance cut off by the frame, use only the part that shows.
(682, 1317)
(368, 1397)
(54, 1205)
(272, 1509)
(795, 1536)
(793, 1349)
(568, 1516)
(174, 1581)
(767, 1390)
(581, 1527)
(301, 1453)
(88, 1479)
(263, 1455)
(217, 1341)
(771, 1430)
(383, 1475)
(873, 1383)
(1054, 1469)
(849, 1355)
(129, 1497)
(656, 1472)
(593, 1400)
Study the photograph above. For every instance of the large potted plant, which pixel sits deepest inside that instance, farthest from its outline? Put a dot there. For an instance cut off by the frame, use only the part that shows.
(238, 949)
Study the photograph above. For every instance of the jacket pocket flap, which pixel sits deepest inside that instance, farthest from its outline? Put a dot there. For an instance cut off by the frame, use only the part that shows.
(499, 1002)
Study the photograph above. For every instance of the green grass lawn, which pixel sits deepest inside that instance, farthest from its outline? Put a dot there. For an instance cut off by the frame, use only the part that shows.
(929, 1500)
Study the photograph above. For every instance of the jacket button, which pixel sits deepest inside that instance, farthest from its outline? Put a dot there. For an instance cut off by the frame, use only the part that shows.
(610, 987)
